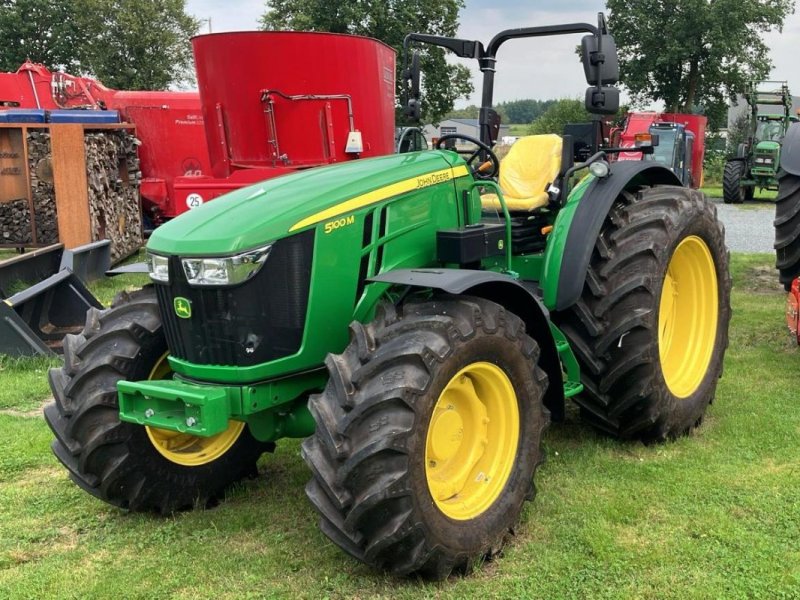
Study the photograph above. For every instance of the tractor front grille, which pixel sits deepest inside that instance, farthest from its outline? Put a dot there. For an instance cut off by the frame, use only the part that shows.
(257, 321)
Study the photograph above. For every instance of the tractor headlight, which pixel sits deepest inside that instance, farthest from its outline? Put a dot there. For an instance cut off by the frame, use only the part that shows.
(158, 267)
(226, 270)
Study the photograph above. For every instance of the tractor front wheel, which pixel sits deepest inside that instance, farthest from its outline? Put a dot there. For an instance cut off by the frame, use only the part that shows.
(651, 327)
(732, 190)
(428, 436)
(127, 465)
(787, 228)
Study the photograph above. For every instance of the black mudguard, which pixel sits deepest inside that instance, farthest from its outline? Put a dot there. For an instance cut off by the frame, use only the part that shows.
(590, 215)
(514, 296)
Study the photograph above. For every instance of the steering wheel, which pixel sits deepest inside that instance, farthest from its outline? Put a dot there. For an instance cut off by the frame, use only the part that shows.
(481, 170)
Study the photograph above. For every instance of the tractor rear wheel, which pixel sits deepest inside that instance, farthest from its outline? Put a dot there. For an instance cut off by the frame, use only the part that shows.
(428, 436)
(732, 190)
(651, 327)
(787, 228)
(124, 464)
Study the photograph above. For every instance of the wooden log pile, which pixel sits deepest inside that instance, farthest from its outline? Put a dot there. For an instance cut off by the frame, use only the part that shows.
(113, 175)
(112, 181)
(43, 191)
(15, 222)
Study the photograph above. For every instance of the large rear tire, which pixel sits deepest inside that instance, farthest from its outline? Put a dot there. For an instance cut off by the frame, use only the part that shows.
(428, 436)
(787, 228)
(732, 190)
(121, 463)
(651, 327)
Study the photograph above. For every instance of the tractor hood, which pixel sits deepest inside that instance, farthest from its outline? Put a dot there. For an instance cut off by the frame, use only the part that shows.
(267, 211)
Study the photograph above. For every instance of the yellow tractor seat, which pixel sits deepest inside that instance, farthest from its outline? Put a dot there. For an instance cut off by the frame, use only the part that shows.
(532, 164)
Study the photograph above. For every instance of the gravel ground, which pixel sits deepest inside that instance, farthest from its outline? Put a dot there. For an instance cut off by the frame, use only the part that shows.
(748, 227)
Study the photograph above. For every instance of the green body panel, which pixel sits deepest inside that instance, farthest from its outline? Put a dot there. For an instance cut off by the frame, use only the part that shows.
(204, 410)
(760, 172)
(557, 241)
(370, 217)
(264, 212)
(410, 222)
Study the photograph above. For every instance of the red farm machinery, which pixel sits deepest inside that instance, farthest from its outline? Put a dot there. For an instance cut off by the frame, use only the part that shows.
(251, 120)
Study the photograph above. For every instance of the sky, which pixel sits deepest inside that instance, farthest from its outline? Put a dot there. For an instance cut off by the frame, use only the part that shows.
(540, 68)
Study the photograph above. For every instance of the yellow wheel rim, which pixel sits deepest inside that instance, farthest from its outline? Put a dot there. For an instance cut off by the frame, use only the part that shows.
(472, 441)
(687, 317)
(186, 449)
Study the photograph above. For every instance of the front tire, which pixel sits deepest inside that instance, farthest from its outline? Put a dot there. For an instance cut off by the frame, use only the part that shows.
(651, 327)
(121, 463)
(732, 190)
(787, 228)
(428, 436)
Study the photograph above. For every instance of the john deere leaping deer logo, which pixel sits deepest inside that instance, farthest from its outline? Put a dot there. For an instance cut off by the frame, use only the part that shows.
(183, 307)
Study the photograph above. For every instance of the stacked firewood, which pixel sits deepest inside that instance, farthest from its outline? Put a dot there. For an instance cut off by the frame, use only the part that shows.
(113, 178)
(42, 189)
(112, 175)
(15, 222)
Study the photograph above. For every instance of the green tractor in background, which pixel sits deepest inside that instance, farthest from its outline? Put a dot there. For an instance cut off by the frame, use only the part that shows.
(419, 318)
(758, 157)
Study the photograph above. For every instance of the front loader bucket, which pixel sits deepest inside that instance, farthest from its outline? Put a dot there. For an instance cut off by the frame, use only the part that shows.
(49, 310)
(90, 261)
(16, 338)
(27, 269)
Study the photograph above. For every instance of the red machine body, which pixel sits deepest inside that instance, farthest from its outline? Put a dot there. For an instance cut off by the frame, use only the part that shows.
(169, 124)
(640, 123)
(793, 310)
(297, 101)
(269, 103)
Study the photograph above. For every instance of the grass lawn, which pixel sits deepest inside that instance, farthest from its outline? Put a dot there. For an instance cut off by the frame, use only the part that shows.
(715, 191)
(714, 515)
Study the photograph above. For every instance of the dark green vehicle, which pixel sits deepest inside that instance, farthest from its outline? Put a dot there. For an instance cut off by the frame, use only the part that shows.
(419, 318)
(758, 158)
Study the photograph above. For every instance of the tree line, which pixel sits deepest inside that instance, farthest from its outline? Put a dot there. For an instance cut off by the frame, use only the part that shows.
(692, 55)
(127, 44)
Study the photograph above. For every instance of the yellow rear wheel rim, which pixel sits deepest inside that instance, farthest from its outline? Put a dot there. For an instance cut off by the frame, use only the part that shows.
(186, 449)
(472, 441)
(687, 317)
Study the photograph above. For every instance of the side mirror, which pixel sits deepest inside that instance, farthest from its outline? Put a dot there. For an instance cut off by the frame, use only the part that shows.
(600, 65)
(411, 75)
(603, 100)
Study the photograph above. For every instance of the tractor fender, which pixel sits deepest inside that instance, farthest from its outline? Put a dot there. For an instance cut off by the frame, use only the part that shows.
(588, 218)
(790, 150)
(512, 295)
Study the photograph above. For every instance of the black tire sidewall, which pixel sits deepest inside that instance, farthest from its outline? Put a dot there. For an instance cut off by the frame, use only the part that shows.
(682, 413)
(503, 514)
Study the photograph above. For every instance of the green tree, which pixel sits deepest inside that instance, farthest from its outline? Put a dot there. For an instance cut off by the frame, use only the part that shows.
(525, 111)
(694, 54)
(127, 44)
(141, 44)
(388, 21)
(558, 114)
(46, 31)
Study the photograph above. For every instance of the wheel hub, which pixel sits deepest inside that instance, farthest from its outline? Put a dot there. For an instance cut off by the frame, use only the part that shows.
(472, 441)
(688, 314)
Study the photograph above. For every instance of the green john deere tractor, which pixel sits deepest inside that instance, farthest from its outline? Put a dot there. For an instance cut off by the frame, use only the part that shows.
(419, 318)
(756, 162)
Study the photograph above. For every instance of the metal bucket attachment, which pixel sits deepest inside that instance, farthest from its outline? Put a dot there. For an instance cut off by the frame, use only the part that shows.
(16, 338)
(90, 261)
(28, 269)
(50, 310)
